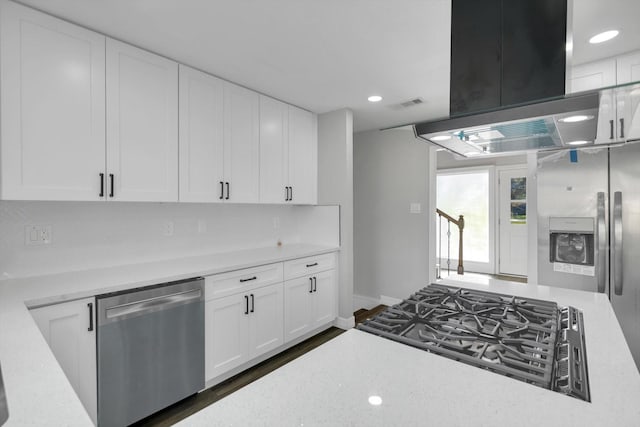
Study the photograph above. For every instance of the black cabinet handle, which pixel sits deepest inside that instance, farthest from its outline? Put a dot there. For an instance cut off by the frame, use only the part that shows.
(252, 303)
(227, 198)
(310, 284)
(622, 128)
(221, 190)
(312, 265)
(248, 280)
(101, 185)
(246, 304)
(111, 179)
(90, 328)
(611, 127)
(286, 194)
(315, 284)
(290, 193)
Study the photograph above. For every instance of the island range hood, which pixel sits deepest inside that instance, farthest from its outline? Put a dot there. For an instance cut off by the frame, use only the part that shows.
(508, 79)
(565, 122)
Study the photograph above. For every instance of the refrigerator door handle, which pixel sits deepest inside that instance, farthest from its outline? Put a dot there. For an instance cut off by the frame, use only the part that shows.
(617, 242)
(601, 233)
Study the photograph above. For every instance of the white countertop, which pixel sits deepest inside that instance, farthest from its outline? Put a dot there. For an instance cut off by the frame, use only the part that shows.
(330, 385)
(38, 392)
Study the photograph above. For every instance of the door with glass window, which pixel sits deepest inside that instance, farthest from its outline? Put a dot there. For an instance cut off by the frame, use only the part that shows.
(512, 222)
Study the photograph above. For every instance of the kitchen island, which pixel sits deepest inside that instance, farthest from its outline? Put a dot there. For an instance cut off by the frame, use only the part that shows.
(333, 384)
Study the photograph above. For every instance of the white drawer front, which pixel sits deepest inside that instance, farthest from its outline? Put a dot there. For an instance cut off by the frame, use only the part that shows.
(309, 265)
(220, 285)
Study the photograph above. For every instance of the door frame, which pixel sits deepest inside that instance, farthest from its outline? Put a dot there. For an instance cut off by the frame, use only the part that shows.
(496, 218)
(472, 266)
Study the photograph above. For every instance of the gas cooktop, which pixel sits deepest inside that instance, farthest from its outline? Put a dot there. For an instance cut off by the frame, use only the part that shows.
(530, 340)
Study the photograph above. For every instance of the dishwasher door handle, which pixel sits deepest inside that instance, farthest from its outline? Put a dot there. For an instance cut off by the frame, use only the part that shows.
(151, 303)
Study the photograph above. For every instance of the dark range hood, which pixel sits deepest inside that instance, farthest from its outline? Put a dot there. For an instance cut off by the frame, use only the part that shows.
(508, 78)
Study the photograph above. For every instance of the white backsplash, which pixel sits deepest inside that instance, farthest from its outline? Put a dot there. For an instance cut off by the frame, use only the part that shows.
(88, 235)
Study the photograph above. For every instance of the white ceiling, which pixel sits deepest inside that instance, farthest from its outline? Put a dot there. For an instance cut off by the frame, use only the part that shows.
(323, 55)
(591, 17)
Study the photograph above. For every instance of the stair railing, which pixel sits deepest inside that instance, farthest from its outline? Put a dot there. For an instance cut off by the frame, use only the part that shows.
(458, 223)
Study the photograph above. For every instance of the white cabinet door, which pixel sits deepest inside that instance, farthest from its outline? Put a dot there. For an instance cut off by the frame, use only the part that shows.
(241, 144)
(226, 334)
(628, 120)
(303, 156)
(297, 307)
(628, 68)
(274, 150)
(324, 298)
(593, 75)
(53, 107)
(266, 327)
(142, 124)
(201, 136)
(70, 332)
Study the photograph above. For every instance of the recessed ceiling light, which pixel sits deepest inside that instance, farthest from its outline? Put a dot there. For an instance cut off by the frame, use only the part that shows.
(375, 400)
(440, 138)
(574, 119)
(375, 98)
(603, 37)
(578, 142)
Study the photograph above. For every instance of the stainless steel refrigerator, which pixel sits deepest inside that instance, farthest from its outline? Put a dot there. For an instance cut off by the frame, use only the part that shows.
(589, 227)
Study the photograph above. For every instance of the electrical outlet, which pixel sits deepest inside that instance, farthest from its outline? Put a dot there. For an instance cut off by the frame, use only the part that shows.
(38, 235)
(168, 228)
(415, 208)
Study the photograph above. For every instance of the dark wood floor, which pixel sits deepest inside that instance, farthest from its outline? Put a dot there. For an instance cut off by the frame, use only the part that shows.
(193, 404)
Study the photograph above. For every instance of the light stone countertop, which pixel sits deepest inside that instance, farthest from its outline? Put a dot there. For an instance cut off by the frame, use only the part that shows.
(330, 385)
(38, 392)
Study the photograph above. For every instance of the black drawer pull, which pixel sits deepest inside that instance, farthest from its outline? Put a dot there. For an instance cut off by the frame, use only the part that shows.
(310, 284)
(246, 304)
(252, 303)
(227, 198)
(90, 328)
(221, 190)
(622, 128)
(112, 190)
(248, 280)
(312, 265)
(315, 284)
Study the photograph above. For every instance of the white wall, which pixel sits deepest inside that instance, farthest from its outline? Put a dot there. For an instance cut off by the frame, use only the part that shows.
(392, 170)
(335, 186)
(97, 234)
(446, 160)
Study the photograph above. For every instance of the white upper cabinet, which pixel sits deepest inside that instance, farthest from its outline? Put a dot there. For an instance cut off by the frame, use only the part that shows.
(274, 150)
(628, 69)
(303, 156)
(288, 153)
(241, 144)
(593, 75)
(142, 124)
(201, 137)
(53, 107)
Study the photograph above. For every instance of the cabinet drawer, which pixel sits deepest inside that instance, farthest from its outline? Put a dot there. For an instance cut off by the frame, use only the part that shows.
(224, 284)
(309, 265)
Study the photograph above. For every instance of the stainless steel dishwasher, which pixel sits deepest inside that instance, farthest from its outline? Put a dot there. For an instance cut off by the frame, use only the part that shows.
(150, 349)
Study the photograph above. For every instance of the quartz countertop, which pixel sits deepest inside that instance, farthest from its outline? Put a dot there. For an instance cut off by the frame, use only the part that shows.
(37, 390)
(331, 385)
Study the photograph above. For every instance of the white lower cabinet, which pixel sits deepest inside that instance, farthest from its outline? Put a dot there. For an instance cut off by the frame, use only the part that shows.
(69, 329)
(241, 327)
(309, 302)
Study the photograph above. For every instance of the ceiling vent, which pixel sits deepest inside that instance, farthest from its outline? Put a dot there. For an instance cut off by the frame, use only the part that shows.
(411, 103)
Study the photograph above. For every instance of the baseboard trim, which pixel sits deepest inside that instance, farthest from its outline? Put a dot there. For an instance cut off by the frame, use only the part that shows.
(362, 301)
(345, 323)
(385, 300)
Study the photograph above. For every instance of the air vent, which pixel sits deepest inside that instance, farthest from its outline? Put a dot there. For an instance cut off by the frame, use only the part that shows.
(411, 103)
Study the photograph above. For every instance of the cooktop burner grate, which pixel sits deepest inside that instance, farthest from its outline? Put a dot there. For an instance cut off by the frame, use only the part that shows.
(509, 335)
